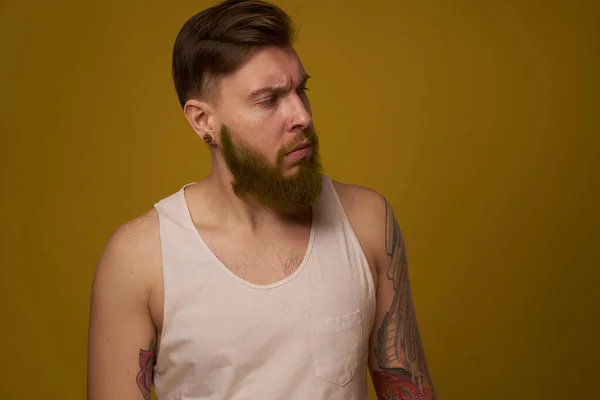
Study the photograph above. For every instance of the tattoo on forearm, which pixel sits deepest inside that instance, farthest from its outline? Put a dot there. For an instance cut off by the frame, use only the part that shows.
(403, 370)
(399, 385)
(144, 376)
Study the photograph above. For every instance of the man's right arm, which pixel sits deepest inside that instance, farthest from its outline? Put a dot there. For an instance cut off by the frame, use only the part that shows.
(122, 335)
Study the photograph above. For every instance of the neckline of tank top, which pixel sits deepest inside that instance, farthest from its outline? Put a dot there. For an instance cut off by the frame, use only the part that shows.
(190, 225)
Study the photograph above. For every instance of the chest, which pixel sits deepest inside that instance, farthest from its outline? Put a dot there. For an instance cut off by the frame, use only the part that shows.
(318, 314)
(262, 264)
(343, 278)
(259, 259)
(313, 325)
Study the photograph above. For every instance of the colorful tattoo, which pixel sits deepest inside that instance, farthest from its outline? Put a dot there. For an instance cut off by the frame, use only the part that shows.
(398, 385)
(403, 371)
(144, 376)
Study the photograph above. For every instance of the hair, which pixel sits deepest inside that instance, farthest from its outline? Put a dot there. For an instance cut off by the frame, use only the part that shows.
(217, 40)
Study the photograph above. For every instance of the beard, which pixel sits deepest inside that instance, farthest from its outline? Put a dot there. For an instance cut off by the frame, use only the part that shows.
(254, 176)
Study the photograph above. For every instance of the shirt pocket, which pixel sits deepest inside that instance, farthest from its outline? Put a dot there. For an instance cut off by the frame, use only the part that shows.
(337, 347)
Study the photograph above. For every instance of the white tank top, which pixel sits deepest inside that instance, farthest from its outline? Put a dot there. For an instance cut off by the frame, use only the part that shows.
(304, 337)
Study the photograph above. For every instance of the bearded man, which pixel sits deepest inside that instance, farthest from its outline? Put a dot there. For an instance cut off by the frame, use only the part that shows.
(265, 279)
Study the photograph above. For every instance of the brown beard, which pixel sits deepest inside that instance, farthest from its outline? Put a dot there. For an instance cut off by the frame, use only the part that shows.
(254, 176)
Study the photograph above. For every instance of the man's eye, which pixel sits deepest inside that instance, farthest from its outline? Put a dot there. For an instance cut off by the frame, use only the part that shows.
(269, 101)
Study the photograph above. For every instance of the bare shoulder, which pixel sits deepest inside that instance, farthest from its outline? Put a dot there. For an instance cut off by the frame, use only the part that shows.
(360, 200)
(132, 253)
(367, 211)
(121, 320)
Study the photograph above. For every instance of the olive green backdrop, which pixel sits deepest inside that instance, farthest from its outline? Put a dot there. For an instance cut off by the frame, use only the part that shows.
(478, 120)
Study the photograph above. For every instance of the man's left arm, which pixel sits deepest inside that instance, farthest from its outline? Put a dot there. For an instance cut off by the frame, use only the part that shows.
(396, 355)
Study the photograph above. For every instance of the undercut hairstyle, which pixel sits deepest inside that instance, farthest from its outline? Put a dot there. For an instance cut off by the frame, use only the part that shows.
(217, 40)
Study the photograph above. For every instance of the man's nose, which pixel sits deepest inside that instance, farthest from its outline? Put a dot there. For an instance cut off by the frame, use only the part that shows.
(301, 117)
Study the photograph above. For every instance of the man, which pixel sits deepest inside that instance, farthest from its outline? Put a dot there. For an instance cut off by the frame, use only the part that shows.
(266, 279)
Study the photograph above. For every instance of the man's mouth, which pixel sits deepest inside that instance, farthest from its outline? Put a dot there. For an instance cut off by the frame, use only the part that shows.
(300, 146)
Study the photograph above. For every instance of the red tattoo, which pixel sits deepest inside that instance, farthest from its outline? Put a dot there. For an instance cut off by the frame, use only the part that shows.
(144, 376)
(399, 387)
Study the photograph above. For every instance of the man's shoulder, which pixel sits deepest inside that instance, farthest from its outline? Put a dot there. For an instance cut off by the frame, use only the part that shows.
(137, 232)
(366, 210)
(133, 247)
(361, 201)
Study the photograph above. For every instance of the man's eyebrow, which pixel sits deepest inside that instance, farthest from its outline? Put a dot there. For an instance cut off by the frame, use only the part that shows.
(275, 89)
(266, 90)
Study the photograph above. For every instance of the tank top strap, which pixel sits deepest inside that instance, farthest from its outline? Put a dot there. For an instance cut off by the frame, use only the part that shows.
(174, 209)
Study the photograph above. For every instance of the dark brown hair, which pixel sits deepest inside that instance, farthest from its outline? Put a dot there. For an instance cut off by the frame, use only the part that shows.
(217, 40)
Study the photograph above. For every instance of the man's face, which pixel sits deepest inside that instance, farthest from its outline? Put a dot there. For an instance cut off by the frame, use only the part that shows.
(268, 140)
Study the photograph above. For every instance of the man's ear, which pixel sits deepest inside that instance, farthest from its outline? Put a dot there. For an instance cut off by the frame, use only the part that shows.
(201, 117)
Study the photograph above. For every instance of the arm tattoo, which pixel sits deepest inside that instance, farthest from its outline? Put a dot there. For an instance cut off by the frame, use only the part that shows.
(403, 371)
(144, 376)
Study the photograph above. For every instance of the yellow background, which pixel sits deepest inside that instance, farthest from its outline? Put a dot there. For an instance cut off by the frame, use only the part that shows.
(479, 120)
